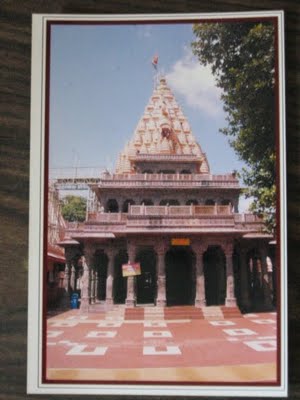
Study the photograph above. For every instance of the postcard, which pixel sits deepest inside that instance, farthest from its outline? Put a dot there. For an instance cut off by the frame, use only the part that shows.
(157, 243)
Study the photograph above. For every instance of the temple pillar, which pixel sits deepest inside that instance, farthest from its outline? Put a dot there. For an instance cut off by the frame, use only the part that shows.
(230, 300)
(73, 278)
(200, 300)
(161, 300)
(96, 286)
(65, 301)
(110, 277)
(67, 277)
(245, 295)
(92, 279)
(87, 262)
(131, 292)
(265, 278)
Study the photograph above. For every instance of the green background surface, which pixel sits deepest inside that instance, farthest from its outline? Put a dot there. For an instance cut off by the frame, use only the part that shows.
(15, 65)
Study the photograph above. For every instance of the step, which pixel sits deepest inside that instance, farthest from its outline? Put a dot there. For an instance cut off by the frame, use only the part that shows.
(165, 313)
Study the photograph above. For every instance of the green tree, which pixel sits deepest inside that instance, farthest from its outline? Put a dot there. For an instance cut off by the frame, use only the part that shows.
(241, 56)
(73, 208)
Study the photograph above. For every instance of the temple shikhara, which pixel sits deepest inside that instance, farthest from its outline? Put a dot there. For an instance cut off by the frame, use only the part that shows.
(163, 230)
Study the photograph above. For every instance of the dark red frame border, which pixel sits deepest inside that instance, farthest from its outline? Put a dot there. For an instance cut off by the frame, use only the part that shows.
(49, 24)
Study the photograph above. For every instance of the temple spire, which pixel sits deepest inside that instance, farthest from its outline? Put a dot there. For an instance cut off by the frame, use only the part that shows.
(163, 129)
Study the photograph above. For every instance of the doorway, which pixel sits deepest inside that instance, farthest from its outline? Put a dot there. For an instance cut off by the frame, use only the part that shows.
(146, 282)
(119, 282)
(101, 262)
(215, 276)
(180, 276)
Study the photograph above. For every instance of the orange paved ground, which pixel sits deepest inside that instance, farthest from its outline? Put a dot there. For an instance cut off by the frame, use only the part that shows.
(146, 346)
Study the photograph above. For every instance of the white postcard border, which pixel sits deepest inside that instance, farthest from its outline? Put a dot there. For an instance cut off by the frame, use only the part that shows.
(36, 228)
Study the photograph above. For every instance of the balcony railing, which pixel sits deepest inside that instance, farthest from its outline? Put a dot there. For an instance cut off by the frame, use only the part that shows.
(167, 180)
(139, 218)
(173, 211)
(75, 180)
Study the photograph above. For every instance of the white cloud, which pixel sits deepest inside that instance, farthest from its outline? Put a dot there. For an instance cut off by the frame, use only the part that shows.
(196, 83)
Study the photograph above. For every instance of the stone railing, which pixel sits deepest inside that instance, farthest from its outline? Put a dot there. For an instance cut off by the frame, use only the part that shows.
(247, 218)
(117, 218)
(192, 210)
(182, 222)
(166, 180)
(166, 157)
(140, 218)
(145, 180)
(167, 177)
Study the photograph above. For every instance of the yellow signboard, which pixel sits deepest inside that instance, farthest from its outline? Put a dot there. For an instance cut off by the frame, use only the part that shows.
(131, 269)
(180, 242)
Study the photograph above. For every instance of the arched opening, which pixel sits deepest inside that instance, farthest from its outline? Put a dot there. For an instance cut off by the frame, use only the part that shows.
(167, 171)
(112, 206)
(169, 202)
(126, 204)
(147, 202)
(210, 202)
(180, 276)
(146, 282)
(225, 202)
(192, 202)
(185, 171)
(119, 282)
(101, 262)
(215, 276)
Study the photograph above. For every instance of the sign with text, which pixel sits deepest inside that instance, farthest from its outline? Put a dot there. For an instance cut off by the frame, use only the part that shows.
(131, 269)
(180, 242)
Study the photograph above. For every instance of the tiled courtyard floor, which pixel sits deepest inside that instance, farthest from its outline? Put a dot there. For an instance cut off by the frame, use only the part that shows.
(117, 346)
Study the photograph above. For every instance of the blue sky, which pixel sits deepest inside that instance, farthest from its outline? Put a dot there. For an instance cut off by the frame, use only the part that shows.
(101, 79)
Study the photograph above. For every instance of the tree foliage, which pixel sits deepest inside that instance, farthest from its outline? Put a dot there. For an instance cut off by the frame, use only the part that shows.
(73, 208)
(241, 56)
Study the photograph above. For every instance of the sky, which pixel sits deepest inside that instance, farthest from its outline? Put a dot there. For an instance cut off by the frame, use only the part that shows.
(101, 79)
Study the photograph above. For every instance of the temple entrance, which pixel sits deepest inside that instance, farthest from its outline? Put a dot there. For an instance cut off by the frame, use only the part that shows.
(215, 276)
(180, 276)
(146, 282)
(119, 282)
(101, 262)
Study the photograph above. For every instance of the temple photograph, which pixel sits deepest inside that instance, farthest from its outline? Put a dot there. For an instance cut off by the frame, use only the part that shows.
(162, 262)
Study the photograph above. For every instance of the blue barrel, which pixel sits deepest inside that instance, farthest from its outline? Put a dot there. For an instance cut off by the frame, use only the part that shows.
(74, 300)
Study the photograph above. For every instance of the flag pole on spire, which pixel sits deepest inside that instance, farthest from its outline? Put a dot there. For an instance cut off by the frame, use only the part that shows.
(155, 66)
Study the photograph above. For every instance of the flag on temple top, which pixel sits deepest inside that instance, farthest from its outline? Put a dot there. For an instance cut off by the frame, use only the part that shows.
(155, 61)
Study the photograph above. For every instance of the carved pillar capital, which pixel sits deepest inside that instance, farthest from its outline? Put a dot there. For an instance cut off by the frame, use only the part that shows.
(131, 251)
(70, 253)
(199, 246)
(160, 247)
(227, 248)
(109, 251)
